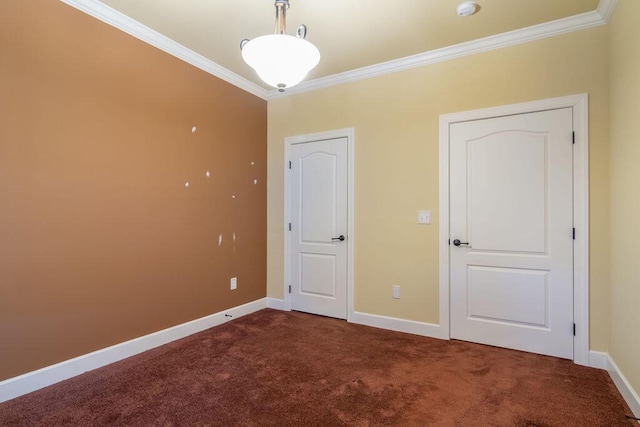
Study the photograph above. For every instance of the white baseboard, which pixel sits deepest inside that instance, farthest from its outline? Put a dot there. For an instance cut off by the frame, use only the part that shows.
(35, 380)
(602, 360)
(625, 388)
(598, 359)
(400, 325)
(382, 322)
(32, 381)
(275, 303)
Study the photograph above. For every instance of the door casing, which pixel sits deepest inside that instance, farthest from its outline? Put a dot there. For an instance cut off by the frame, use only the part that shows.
(579, 105)
(349, 134)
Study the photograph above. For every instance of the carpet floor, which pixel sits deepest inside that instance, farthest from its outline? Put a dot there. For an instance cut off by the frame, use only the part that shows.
(279, 368)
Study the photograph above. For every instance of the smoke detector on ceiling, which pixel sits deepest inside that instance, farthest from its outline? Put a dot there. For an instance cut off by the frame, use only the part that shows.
(467, 8)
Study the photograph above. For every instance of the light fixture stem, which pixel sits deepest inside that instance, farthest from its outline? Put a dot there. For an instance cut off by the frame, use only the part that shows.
(281, 16)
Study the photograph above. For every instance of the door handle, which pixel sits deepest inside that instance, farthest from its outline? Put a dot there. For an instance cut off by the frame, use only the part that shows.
(457, 242)
(341, 238)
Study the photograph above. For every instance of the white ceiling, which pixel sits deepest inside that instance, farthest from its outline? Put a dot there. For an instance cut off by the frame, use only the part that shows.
(350, 34)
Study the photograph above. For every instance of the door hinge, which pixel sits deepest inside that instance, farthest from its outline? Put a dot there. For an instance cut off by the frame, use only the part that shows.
(574, 233)
(289, 226)
(574, 329)
(290, 291)
(289, 164)
(573, 137)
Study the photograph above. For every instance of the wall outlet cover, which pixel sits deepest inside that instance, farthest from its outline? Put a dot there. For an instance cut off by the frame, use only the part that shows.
(424, 217)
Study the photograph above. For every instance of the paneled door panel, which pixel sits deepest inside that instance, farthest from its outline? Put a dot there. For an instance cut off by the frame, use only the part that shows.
(318, 219)
(515, 189)
(511, 210)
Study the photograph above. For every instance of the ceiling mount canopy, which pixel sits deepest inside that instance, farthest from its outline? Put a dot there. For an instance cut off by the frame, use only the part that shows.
(280, 60)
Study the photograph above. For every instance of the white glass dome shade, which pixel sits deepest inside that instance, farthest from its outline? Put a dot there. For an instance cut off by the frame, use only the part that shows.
(280, 60)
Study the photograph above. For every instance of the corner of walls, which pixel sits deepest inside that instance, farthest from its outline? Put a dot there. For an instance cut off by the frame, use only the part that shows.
(624, 224)
(624, 386)
(276, 304)
(604, 361)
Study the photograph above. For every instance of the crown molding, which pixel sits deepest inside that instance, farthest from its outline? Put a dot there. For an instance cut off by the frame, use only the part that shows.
(600, 16)
(134, 28)
(112, 17)
(606, 8)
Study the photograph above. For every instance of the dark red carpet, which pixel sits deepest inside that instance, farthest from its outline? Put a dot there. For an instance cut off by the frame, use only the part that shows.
(278, 368)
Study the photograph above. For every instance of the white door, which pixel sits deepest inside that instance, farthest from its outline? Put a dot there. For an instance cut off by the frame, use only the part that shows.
(318, 246)
(511, 211)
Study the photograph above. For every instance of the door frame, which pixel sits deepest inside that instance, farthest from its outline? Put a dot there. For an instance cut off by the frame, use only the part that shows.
(579, 105)
(289, 141)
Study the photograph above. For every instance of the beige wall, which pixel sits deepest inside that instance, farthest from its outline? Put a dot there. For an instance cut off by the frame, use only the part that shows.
(100, 241)
(396, 161)
(624, 34)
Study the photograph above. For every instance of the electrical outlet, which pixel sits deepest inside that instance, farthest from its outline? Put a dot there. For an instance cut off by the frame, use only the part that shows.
(234, 283)
(396, 291)
(424, 217)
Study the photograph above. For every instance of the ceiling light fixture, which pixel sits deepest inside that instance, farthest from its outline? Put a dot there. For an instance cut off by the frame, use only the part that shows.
(467, 8)
(280, 60)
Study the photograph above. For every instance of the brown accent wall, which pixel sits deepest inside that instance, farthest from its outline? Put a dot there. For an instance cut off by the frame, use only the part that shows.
(100, 240)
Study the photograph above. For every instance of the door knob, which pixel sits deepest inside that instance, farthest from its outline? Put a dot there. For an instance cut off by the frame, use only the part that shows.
(341, 238)
(457, 242)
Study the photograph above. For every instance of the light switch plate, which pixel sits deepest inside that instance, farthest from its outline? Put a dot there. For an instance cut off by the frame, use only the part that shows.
(396, 291)
(424, 217)
(234, 283)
